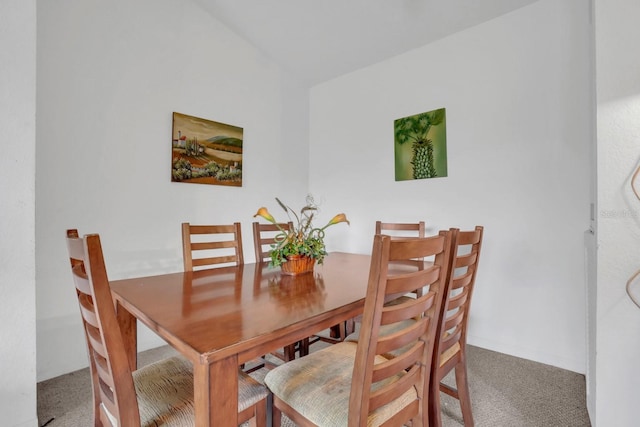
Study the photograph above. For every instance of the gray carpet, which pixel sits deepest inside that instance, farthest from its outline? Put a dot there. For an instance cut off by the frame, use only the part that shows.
(505, 391)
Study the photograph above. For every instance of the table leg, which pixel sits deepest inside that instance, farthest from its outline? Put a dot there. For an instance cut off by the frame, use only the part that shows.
(129, 330)
(216, 393)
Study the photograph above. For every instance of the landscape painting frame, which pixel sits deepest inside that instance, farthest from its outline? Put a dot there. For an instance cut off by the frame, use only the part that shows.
(205, 151)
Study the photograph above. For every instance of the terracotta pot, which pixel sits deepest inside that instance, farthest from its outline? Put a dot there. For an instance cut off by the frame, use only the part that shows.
(298, 264)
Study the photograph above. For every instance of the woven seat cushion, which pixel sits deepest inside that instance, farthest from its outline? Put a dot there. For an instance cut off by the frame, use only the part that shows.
(449, 353)
(165, 393)
(384, 331)
(399, 300)
(394, 327)
(318, 386)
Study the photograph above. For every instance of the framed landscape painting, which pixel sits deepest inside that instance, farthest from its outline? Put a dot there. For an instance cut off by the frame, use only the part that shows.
(206, 152)
(420, 146)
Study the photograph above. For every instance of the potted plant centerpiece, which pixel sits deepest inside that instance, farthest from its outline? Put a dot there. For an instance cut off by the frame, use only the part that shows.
(297, 250)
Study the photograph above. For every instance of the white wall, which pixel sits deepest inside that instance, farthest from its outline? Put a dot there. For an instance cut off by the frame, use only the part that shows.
(517, 94)
(109, 76)
(517, 97)
(17, 221)
(618, 82)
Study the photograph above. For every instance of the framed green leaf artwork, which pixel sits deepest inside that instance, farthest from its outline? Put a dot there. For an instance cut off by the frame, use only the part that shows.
(206, 152)
(420, 145)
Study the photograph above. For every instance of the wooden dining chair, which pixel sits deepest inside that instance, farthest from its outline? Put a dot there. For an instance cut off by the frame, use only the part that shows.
(353, 383)
(451, 346)
(156, 394)
(404, 229)
(401, 229)
(395, 230)
(264, 235)
(206, 246)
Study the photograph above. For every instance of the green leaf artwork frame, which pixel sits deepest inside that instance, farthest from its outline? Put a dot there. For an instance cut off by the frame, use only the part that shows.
(420, 146)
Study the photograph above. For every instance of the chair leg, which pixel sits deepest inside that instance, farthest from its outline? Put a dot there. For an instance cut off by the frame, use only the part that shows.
(339, 332)
(463, 392)
(334, 331)
(276, 417)
(342, 331)
(303, 347)
(289, 352)
(260, 419)
(435, 418)
(350, 327)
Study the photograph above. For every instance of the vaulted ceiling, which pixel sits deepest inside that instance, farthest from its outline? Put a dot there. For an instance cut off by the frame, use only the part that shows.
(318, 40)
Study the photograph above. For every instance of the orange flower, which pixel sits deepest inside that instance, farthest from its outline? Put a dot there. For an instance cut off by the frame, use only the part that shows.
(264, 213)
(338, 219)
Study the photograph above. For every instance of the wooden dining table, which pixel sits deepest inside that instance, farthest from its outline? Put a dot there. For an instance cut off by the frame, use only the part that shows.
(222, 318)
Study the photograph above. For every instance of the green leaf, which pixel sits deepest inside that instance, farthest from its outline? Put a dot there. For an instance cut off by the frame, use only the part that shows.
(282, 205)
(437, 117)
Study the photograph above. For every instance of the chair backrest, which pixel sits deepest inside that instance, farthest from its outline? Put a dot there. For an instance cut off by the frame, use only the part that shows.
(452, 330)
(264, 235)
(113, 387)
(404, 229)
(398, 229)
(414, 321)
(211, 245)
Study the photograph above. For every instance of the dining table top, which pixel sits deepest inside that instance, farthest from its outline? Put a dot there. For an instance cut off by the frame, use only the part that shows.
(211, 314)
(224, 317)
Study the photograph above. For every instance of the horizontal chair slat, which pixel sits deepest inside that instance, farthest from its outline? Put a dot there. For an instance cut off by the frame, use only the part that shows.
(81, 282)
(211, 229)
(75, 246)
(408, 309)
(468, 237)
(399, 363)
(409, 282)
(410, 247)
(462, 281)
(394, 390)
(466, 260)
(93, 334)
(199, 246)
(213, 260)
(458, 300)
(399, 339)
(454, 320)
(450, 340)
(87, 310)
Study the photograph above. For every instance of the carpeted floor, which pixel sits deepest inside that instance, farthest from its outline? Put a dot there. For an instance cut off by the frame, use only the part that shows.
(505, 391)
